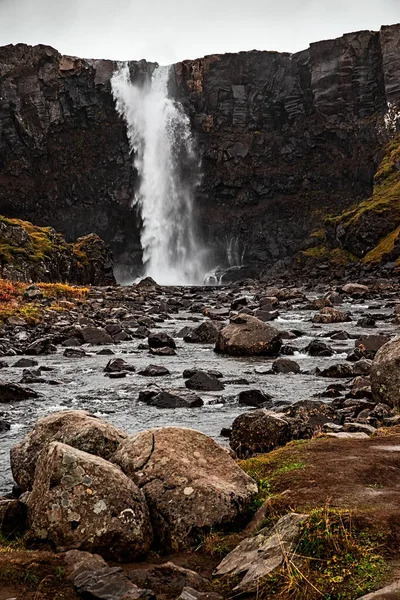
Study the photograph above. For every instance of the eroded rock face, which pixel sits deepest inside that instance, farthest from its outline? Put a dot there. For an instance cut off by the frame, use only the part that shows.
(385, 374)
(76, 428)
(191, 484)
(81, 501)
(246, 335)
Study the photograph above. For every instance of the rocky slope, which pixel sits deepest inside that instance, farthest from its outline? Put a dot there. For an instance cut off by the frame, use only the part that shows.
(285, 140)
(31, 253)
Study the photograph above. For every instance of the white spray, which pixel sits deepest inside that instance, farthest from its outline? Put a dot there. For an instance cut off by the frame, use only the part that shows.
(161, 141)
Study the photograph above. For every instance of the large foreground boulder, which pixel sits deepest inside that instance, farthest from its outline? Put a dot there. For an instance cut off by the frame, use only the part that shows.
(385, 374)
(77, 428)
(190, 482)
(81, 501)
(246, 335)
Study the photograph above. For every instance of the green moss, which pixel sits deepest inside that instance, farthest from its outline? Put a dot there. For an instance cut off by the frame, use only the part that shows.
(316, 252)
(384, 247)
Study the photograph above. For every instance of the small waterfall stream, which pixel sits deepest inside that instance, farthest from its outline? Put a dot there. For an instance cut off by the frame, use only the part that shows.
(168, 168)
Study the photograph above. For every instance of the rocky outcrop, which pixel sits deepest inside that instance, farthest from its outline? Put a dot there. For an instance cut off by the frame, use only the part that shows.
(76, 428)
(81, 501)
(285, 140)
(191, 484)
(31, 253)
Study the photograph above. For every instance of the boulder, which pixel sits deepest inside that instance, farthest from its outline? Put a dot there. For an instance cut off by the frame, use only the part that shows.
(13, 515)
(246, 336)
(331, 315)
(161, 340)
(154, 371)
(259, 556)
(285, 365)
(96, 336)
(74, 353)
(43, 345)
(254, 398)
(12, 392)
(189, 593)
(81, 501)
(167, 576)
(372, 343)
(319, 348)
(389, 592)
(116, 365)
(77, 428)
(385, 374)
(355, 289)
(205, 333)
(339, 370)
(187, 373)
(190, 482)
(307, 417)
(24, 363)
(164, 351)
(170, 399)
(258, 431)
(204, 382)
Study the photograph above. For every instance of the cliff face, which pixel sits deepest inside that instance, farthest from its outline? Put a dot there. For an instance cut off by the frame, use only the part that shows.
(284, 139)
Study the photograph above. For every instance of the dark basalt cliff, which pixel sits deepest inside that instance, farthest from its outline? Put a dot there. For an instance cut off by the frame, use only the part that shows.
(285, 140)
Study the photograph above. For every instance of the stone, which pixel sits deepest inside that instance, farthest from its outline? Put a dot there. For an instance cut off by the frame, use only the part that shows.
(189, 593)
(161, 340)
(81, 501)
(319, 348)
(337, 371)
(205, 333)
(77, 428)
(385, 374)
(254, 398)
(257, 432)
(154, 371)
(13, 392)
(171, 399)
(362, 367)
(191, 484)
(74, 353)
(164, 351)
(187, 373)
(96, 336)
(389, 592)
(372, 343)
(4, 425)
(13, 514)
(204, 382)
(355, 289)
(259, 556)
(41, 346)
(331, 315)
(285, 365)
(307, 417)
(116, 365)
(167, 577)
(247, 336)
(25, 362)
(109, 583)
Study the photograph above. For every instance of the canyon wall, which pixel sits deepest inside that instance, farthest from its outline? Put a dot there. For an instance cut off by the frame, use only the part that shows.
(285, 140)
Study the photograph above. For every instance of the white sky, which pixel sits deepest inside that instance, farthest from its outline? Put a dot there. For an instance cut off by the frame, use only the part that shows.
(172, 30)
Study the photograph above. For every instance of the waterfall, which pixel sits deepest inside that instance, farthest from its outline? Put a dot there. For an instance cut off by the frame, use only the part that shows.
(168, 170)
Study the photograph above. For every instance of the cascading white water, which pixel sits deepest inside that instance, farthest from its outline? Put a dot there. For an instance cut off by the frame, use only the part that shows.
(164, 156)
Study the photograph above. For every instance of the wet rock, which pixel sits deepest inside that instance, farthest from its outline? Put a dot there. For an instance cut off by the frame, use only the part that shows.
(182, 333)
(187, 373)
(206, 333)
(33, 292)
(4, 425)
(257, 432)
(13, 514)
(105, 352)
(372, 343)
(171, 399)
(254, 398)
(13, 392)
(319, 348)
(96, 336)
(246, 336)
(41, 346)
(285, 365)
(154, 371)
(25, 362)
(359, 427)
(259, 556)
(116, 365)
(367, 322)
(204, 382)
(111, 519)
(77, 428)
(339, 370)
(167, 576)
(161, 340)
(164, 351)
(74, 353)
(355, 289)
(331, 315)
(307, 417)
(362, 367)
(191, 484)
(385, 374)
(266, 315)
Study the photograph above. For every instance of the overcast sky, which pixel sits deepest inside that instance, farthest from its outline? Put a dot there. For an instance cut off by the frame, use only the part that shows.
(170, 30)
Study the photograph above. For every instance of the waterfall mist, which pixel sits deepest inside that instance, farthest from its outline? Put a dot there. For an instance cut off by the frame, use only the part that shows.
(168, 169)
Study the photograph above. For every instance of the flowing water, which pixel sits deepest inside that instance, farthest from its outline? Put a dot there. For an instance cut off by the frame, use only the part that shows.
(168, 171)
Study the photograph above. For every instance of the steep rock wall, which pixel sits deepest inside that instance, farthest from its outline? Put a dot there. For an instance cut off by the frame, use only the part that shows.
(284, 141)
